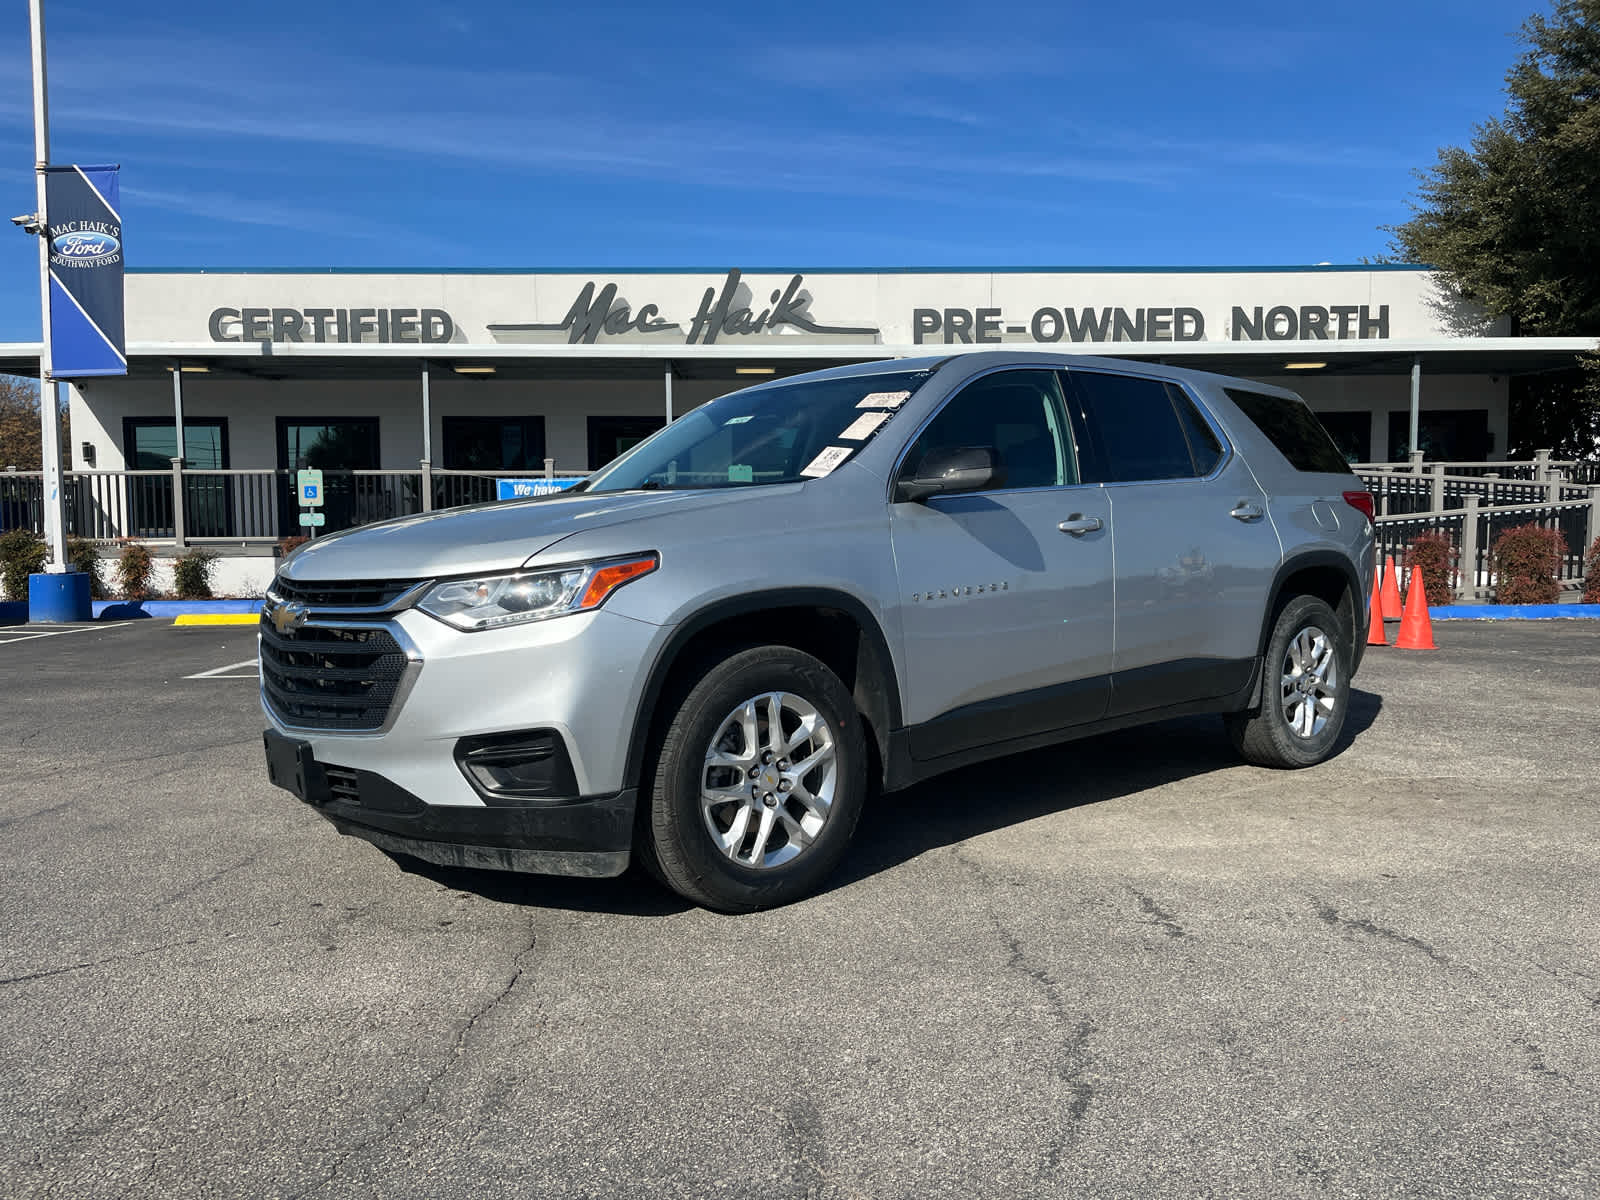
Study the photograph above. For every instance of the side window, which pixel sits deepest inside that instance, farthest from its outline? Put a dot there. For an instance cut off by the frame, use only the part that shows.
(1016, 413)
(1203, 445)
(1131, 429)
(1293, 429)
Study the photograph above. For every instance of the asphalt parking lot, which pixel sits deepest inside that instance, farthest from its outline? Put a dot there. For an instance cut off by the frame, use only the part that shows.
(1129, 967)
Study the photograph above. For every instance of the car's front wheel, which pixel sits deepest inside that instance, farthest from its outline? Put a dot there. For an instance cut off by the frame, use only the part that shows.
(1305, 691)
(760, 779)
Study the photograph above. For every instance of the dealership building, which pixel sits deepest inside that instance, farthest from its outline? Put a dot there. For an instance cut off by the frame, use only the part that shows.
(424, 372)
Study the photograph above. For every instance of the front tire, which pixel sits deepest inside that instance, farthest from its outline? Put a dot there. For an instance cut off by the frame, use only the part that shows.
(1305, 690)
(760, 779)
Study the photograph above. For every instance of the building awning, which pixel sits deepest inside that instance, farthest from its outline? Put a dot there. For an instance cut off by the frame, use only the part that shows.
(280, 361)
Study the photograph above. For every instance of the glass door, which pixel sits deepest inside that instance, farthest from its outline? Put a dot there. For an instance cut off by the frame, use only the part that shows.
(336, 446)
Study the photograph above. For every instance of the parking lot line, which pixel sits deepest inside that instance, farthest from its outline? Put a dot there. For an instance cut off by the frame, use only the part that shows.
(29, 637)
(222, 672)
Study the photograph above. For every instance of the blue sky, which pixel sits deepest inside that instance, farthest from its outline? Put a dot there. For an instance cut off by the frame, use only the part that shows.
(504, 134)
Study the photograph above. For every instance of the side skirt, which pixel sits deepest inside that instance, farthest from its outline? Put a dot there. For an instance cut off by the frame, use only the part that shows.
(902, 770)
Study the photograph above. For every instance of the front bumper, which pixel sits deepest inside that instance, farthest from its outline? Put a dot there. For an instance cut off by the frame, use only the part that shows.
(580, 835)
(402, 786)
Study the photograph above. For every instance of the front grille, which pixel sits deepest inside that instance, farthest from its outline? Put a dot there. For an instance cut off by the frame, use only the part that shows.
(331, 678)
(360, 595)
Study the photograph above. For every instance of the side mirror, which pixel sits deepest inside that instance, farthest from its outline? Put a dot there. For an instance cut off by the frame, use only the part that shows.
(948, 470)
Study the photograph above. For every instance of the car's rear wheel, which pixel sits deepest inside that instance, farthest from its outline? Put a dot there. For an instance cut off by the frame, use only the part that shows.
(1305, 691)
(760, 779)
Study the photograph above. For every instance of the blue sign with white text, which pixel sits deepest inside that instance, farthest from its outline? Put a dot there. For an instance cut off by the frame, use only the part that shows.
(85, 235)
(526, 489)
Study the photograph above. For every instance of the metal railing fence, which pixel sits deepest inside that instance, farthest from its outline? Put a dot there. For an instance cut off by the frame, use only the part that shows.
(243, 506)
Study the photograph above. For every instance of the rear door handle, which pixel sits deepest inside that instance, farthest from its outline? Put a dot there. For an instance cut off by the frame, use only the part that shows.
(1078, 525)
(1247, 510)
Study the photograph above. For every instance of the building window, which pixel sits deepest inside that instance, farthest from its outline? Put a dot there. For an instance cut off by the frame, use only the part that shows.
(493, 443)
(150, 444)
(610, 437)
(1447, 435)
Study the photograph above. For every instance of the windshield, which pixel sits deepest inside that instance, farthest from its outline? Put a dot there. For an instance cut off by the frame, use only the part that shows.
(777, 433)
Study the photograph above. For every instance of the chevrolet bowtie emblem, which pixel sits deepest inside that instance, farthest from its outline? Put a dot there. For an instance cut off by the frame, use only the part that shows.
(288, 616)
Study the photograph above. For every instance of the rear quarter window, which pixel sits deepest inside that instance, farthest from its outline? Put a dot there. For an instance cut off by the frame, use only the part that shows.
(1293, 429)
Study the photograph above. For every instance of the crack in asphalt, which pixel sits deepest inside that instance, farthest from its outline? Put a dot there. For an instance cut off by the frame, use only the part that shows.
(1159, 917)
(212, 878)
(113, 958)
(43, 812)
(1329, 915)
(431, 1084)
(1075, 1057)
(808, 1147)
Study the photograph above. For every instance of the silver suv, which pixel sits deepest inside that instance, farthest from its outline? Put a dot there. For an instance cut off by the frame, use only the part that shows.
(708, 655)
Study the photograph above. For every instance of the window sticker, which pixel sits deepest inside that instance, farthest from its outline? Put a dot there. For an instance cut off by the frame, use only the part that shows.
(826, 462)
(864, 426)
(741, 473)
(884, 399)
(738, 420)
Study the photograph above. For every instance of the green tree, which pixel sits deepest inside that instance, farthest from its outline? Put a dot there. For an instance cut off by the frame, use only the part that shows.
(1513, 223)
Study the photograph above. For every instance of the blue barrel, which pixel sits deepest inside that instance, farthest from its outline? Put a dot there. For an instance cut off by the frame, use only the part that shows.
(59, 598)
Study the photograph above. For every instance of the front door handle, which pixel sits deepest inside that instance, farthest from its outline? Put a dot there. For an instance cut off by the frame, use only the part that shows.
(1247, 510)
(1078, 525)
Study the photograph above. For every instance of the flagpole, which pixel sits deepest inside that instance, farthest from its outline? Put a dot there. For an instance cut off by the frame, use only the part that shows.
(55, 524)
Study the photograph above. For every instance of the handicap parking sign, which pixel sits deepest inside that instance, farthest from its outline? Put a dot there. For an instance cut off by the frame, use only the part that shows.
(310, 485)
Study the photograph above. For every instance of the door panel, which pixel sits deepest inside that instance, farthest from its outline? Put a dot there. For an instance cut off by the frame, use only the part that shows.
(998, 603)
(1006, 618)
(1191, 577)
(1192, 582)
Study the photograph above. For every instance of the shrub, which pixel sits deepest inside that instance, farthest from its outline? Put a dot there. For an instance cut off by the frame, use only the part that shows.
(83, 555)
(1436, 554)
(22, 553)
(288, 545)
(1591, 574)
(136, 570)
(191, 574)
(1526, 562)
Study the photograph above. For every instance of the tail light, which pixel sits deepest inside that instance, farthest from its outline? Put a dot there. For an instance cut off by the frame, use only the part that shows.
(1362, 501)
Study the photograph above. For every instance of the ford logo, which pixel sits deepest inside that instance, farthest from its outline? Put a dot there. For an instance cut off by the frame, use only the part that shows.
(86, 245)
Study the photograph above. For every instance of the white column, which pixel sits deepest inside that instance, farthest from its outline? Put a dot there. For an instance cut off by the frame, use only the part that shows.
(55, 513)
(177, 407)
(668, 381)
(1416, 401)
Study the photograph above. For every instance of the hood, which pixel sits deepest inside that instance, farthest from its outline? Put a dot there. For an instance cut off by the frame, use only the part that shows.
(485, 537)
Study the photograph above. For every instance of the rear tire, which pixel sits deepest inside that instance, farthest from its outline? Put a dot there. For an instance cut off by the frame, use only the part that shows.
(760, 778)
(1305, 690)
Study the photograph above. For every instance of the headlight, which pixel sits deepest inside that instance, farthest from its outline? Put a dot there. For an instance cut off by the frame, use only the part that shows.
(491, 601)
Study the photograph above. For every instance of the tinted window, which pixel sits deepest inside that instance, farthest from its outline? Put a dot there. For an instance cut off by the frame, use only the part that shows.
(1132, 428)
(1015, 413)
(1293, 429)
(1203, 445)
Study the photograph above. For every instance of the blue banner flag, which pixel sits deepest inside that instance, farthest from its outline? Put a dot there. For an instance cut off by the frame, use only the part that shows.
(85, 232)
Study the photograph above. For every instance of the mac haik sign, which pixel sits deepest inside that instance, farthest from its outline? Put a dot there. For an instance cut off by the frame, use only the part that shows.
(85, 234)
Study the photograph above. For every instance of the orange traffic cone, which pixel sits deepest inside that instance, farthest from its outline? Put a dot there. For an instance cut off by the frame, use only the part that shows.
(1375, 632)
(1416, 631)
(1391, 590)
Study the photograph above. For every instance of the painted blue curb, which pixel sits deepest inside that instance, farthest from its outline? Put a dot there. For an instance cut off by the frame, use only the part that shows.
(1512, 612)
(125, 610)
